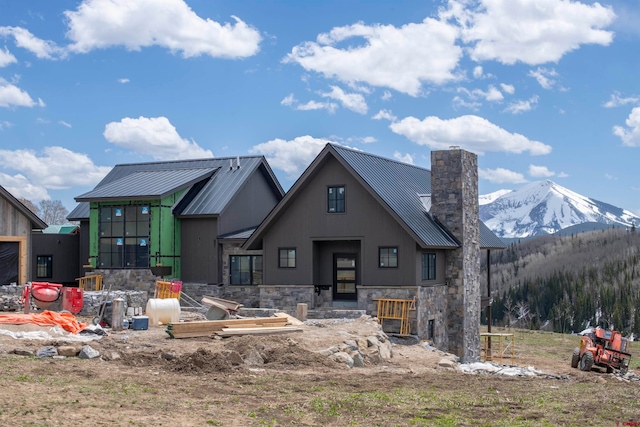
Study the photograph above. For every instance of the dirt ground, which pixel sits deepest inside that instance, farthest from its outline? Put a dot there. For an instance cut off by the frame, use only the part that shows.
(145, 378)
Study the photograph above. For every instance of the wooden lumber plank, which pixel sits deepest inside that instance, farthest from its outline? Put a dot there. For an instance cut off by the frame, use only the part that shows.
(219, 324)
(228, 332)
(290, 319)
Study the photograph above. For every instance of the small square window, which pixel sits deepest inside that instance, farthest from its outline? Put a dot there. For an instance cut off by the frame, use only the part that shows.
(388, 257)
(335, 199)
(287, 258)
(428, 266)
(44, 266)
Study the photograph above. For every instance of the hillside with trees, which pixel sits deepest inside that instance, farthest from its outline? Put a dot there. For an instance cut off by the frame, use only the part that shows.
(566, 283)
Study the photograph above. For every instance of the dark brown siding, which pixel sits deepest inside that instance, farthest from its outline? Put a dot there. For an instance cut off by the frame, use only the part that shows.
(306, 220)
(199, 250)
(249, 206)
(64, 251)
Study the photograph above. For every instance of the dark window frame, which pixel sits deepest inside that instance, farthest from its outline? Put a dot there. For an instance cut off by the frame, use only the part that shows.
(290, 261)
(336, 201)
(124, 234)
(255, 275)
(48, 267)
(388, 254)
(428, 265)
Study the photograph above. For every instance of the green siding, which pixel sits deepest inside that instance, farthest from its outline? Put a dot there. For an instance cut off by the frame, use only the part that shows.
(164, 235)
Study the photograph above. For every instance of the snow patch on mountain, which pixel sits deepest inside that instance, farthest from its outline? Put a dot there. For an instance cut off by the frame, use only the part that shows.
(485, 199)
(545, 207)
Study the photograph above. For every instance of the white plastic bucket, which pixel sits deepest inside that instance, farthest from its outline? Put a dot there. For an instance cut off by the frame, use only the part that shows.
(166, 310)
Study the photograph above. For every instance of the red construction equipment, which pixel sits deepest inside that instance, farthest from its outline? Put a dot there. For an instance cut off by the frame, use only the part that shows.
(604, 348)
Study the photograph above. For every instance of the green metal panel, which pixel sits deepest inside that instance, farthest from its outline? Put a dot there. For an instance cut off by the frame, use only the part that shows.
(164, 233)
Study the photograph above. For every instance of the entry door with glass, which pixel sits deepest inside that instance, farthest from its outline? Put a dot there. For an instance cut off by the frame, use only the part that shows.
(344, 277)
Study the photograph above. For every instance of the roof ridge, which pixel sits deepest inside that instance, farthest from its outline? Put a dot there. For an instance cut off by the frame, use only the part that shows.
(386, 159)
(190, 160)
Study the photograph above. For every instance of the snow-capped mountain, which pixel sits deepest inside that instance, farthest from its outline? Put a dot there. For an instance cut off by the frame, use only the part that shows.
(485, 199)
(545, 207)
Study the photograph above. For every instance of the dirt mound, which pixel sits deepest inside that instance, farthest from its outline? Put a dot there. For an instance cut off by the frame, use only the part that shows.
(199, 362)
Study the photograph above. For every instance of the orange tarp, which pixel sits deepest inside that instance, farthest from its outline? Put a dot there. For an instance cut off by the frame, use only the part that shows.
(47, 318)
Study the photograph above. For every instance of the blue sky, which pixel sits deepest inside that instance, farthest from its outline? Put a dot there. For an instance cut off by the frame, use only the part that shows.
(544, 89)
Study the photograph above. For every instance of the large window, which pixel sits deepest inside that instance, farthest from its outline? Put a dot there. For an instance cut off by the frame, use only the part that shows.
(44, 266)
(428, 266)
(287, 258)
(388, 257)
(335, 199)
(245, 270)
(124, 236)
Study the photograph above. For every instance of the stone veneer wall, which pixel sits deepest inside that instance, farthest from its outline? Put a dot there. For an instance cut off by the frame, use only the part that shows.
(286, 297)
(128, 279)
(454, 202)
(431, 304)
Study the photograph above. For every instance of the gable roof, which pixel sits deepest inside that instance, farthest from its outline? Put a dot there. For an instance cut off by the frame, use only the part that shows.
(36, 222)
(210, 184)
(399, 187)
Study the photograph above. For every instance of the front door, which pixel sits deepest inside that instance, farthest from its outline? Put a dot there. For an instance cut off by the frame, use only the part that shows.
(344, 277)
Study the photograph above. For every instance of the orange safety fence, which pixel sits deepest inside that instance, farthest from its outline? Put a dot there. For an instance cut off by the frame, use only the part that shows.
(168, 289)
(47, 318)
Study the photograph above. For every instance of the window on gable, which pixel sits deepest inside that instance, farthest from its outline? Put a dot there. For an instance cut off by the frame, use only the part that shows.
(388, 257)
(287, 258)
(245, 269)
(123, 236)
(44, 266)
(335, 199)
(428, 266)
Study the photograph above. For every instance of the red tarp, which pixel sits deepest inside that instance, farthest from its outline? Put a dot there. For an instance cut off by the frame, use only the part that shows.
(47, 318)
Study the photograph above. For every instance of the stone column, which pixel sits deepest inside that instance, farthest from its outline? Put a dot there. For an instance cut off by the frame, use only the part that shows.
(454, 202)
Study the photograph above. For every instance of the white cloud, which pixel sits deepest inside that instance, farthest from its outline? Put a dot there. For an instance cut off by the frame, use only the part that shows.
(123, 81)
(404, 158)
(20, 187)
(351, 101)
(510, 89)
(170, 24)
(521, 106)
(54, 168)
(384, 114)
(6, 58)
(368, 140)
(540, 171)
(459, 102)
(470, 132)
(563, 175)
(155, 137)
(289, 100)
(501, 176)
(615, 100)
(291, 157)
(43, 49)
(5, 125)
(477, 72)
(427, 52)
(65, 124)
(533, 32)
(631, 135)
(545, 77)
(315, 105)
(386, 95)
(610, 177)
(11, 95)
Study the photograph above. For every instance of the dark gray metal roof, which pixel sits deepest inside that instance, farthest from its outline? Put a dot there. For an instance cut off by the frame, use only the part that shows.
(36, 222)
(242, 234)
(402, 186)
(149, 185)
(488, 240)
(205, 197)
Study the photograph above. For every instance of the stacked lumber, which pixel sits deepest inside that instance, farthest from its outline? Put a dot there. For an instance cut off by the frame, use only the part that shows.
(231, 327)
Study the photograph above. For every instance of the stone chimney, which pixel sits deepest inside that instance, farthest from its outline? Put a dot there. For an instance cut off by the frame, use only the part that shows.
(454, 203)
